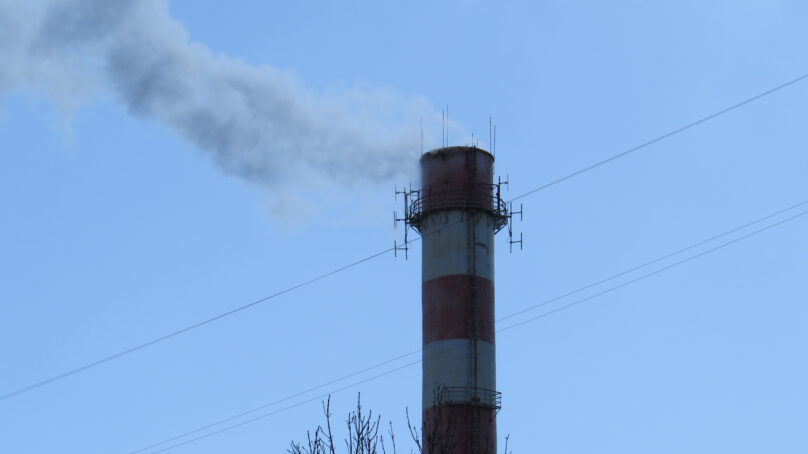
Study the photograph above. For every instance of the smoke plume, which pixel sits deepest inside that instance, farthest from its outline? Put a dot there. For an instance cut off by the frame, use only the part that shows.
(256, 122)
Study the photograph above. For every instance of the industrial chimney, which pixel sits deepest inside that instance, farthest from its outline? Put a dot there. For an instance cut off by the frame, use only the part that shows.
(457, 211)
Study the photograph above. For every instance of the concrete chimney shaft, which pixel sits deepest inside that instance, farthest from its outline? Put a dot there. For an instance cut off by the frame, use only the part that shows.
(457, 214)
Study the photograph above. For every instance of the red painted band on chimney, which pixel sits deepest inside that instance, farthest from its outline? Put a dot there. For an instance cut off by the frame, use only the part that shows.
(446, 311)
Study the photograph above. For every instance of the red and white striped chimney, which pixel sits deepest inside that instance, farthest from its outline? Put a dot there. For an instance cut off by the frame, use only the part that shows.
(458, 212)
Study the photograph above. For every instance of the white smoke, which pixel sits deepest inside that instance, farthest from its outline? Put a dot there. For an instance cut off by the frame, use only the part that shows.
(259, 123)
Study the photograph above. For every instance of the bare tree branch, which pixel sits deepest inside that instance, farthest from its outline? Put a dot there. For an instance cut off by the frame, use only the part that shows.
(437, 434)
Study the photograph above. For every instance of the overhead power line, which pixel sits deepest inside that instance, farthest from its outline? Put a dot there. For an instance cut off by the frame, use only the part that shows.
(655, 272)
(654, 261)
(186, 329)
(266, 415)
(664, 136)
(178, 332)
(290, 397)
(514, 325)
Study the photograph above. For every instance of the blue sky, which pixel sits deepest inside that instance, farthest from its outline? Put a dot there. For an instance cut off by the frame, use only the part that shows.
(119, 227)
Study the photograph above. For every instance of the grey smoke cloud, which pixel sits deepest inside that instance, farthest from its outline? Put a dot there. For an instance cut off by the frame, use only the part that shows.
(256, 122)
